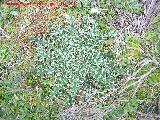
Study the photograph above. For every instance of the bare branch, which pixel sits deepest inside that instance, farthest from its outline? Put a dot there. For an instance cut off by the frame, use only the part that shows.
(143, 78)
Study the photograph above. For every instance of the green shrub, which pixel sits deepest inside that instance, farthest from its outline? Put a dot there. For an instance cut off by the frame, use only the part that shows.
(70, 55)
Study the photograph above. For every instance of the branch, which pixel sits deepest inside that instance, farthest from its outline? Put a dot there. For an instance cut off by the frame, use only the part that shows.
(143, 78)
(3, 33)
(151, 11)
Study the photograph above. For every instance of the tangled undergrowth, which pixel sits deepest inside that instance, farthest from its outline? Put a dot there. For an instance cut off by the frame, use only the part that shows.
(96, 60)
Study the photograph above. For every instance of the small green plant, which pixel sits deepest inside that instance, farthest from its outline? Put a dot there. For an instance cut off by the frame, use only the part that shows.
(70, 55)
(4, 53)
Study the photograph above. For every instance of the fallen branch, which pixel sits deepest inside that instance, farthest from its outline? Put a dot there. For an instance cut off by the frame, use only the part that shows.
(143, 78)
